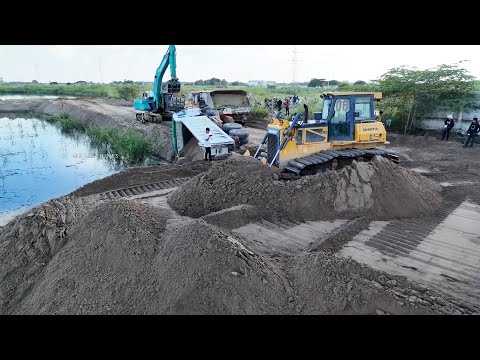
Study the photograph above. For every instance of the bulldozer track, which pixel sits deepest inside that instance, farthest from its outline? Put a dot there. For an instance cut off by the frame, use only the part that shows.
(329, 159)
(140, 189)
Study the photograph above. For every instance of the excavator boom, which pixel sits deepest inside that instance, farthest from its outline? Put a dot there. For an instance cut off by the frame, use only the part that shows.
(161, 101)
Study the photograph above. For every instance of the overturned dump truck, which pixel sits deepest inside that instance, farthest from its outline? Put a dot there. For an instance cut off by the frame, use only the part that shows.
(230, 105)
(188, 134)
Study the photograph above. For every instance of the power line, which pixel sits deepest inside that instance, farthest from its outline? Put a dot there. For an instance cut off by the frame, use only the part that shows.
(100, 69)
(294, 61)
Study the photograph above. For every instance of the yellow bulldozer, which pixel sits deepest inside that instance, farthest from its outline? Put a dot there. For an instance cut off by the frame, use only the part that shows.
(347, 129)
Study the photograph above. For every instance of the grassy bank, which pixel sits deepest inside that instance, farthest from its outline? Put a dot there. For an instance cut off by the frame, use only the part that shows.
(88, 90)
(129, 145)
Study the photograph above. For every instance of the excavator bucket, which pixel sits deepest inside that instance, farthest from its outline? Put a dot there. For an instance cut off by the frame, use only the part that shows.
(173, 86)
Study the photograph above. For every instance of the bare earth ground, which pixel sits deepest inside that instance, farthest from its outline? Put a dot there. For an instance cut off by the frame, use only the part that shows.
(164, 240)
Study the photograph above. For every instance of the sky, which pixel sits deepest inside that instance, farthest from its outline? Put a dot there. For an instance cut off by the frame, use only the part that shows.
(106, 63)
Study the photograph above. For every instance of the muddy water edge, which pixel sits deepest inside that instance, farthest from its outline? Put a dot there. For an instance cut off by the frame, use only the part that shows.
(40, 161)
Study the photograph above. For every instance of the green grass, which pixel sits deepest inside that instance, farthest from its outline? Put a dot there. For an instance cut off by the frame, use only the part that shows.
(129, 145)
(67, 124)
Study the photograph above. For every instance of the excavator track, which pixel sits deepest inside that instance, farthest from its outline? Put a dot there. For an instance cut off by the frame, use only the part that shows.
(334, 160)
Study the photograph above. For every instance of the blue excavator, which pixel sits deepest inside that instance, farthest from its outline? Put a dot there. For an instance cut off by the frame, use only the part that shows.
(161, 103)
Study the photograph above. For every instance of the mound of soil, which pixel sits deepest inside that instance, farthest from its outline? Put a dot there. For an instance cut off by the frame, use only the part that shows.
(122, 259)
(29, 242)
(125, 257)
(379, 187)
(328, 284)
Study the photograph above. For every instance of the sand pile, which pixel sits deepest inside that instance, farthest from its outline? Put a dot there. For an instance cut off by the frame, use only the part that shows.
(379, 188)
(121, 259)
(328, 284)
(126, 257)
(29, 242)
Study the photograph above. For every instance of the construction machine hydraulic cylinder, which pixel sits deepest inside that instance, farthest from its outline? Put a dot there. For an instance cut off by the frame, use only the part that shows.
(286, 137)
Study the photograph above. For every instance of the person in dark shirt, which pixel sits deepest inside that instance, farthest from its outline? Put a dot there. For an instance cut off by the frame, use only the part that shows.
(279, 104)
(472, 132)
(449, 123)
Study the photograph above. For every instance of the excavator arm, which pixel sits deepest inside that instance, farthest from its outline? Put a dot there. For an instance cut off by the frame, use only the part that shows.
(157, 104)
(173, 85)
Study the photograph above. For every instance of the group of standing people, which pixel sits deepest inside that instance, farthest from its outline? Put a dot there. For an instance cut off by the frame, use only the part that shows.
(472, 131)
(278, 104)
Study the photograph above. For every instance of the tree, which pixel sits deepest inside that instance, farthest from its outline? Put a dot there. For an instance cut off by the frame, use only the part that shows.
(359, 82)
(128, 92)
(334, 82)
(199, 82)
(34, 82)
(213, 81)
(316, 83)
(415, 94)
(224, 82)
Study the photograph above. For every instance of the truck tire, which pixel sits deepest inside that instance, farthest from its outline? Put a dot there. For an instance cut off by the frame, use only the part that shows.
(228, 120)
(237, 142)
(241, 133)
(230, 126)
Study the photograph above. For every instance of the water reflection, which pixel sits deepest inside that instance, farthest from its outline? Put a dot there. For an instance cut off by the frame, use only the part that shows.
(21, 97)
(38, 162)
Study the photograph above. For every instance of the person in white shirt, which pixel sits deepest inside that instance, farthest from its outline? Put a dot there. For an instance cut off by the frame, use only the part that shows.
(207, 144)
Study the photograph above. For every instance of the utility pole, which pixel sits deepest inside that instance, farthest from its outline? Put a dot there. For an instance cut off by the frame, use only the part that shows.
(295, 61)
(100, 70)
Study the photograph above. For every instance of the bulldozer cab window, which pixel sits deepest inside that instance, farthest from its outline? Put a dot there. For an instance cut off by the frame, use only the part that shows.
(314, 135)
(326, 108)
(363, 106)
(341, 122)
(299, 136)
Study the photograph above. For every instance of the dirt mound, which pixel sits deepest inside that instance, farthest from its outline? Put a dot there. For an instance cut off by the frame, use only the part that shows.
(122, 259)
(29, 242)
(143, 175)
(327, 284)
(379, 187)
(191, 151)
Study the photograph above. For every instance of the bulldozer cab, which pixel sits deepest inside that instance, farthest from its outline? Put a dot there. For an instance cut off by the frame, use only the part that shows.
(343, 110)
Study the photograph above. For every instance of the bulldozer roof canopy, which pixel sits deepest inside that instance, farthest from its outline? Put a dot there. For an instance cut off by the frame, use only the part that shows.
(376, 95)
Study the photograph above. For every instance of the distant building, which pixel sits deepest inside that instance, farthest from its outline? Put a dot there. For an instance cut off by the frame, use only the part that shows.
(263, 83)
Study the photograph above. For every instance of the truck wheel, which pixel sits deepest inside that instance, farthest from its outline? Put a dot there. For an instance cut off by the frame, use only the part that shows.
(237, 142)
(230, 126)
(241, 133)
(228, 120)
(139, 117)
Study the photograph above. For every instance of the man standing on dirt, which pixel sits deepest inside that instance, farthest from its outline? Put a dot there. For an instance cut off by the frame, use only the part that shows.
(208, 144)
(279, 104)
(287, 107)
(449, 123)
(472, 132)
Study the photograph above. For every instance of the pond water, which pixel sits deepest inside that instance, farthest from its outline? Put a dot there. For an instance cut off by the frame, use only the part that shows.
(38, 162)
(22, 97)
